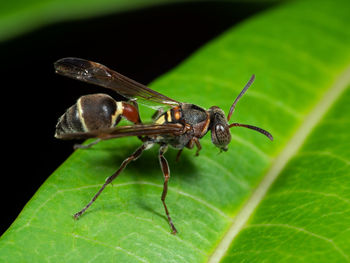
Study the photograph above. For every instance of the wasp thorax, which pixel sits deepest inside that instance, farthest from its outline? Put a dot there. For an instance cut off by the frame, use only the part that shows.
(220, 131)
(91, 112)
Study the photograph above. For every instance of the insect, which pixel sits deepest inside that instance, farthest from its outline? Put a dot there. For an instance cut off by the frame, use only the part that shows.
(183, 125)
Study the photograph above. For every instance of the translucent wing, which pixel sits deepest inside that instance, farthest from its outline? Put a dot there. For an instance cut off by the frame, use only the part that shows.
(98, 74)
(124, 131)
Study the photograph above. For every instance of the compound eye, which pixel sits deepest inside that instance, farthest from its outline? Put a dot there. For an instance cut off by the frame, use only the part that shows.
(219, 128)
(221, 136)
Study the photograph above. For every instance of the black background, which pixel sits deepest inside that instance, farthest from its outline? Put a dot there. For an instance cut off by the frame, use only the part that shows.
(141, 44)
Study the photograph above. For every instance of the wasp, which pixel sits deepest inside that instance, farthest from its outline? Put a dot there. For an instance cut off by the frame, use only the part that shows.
(183, 125)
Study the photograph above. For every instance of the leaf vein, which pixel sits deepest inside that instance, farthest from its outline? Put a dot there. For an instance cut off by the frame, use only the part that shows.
(289, 151)
(299, 229)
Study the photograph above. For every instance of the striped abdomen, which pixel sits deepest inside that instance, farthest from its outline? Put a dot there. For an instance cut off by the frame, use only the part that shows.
(93, 112)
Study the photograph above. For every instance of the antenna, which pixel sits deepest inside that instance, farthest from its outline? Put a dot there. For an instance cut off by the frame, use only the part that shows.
(239, 96)
(266, 133)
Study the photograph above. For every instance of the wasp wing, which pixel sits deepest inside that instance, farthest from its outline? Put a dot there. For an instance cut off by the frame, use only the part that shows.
(125, 131)
(99, 74)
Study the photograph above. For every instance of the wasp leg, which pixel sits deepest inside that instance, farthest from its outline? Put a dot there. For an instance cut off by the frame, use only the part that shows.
(191, 144)
(166, 172)
(178, 155)
(198, 144)
(132, 157)
(82, 146)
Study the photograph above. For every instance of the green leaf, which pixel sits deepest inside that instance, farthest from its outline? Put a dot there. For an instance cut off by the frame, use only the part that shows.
(19, 16)
(284, 201)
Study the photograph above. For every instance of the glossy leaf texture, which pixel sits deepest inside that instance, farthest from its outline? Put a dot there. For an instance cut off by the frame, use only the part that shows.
(20, 16)
(285, 201)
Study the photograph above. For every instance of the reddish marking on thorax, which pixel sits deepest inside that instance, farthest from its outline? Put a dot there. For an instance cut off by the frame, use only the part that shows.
(130, 113)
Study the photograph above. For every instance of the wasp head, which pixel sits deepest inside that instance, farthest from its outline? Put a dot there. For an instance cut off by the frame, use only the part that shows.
(220, 130)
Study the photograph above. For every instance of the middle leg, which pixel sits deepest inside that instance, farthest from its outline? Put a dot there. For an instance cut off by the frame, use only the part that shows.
(166, 172)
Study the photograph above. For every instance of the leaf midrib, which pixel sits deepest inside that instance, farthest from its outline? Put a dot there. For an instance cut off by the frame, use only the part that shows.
(292, 147)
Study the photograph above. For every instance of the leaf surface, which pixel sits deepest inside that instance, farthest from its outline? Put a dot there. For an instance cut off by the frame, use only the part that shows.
(284, 201)
(19, 16)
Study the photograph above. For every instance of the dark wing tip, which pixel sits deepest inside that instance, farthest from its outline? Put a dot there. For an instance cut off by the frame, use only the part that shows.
(71, 64)
(72, 61)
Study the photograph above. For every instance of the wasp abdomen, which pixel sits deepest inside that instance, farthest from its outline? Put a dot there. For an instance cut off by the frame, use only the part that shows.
(91, 112)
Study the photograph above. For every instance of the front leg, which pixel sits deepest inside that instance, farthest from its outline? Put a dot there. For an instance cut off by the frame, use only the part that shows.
(192, 142)
(198, 144)
(166, 172)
